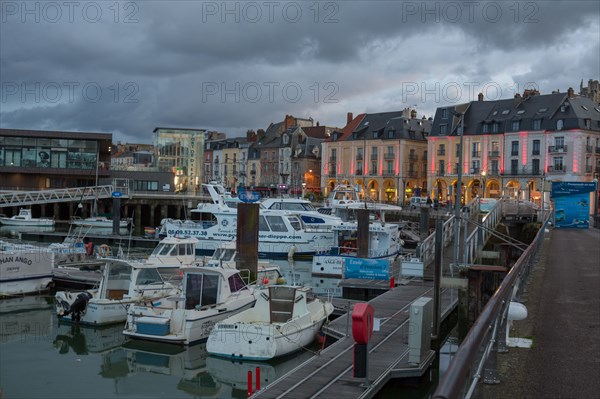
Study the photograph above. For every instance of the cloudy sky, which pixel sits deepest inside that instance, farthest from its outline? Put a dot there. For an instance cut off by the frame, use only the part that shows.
(127, 67)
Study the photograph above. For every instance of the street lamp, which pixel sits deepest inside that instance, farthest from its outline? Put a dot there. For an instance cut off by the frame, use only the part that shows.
(483, 174)
(458, 185)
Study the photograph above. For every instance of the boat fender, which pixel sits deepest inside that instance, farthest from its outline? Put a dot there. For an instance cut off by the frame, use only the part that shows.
(291, 252)
(104, 250)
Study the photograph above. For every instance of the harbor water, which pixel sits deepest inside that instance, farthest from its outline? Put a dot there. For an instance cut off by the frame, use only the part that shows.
(42, 358)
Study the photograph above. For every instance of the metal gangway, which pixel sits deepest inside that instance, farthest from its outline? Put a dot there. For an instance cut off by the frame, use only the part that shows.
(75, 194)
(477, 231)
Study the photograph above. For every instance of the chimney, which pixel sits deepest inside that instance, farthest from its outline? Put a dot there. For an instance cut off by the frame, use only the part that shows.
(518, 98)
(349, 118)
(480, 97)
(571, 92)
(413, 114)
(289, 122)
(317, 123)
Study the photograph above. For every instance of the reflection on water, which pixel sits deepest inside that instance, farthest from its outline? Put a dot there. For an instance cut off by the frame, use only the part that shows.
(15, 231)
(72, 361)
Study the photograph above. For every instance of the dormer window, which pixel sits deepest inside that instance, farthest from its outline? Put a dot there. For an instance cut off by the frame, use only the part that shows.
(445, 113)
(559, 124)
(506, 112)
(520, 112)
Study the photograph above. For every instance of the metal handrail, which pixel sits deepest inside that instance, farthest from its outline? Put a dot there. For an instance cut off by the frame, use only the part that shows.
(453, 383)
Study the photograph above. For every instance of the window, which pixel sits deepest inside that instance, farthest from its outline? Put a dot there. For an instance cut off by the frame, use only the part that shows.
(475, 152)
(475, 166)
(457, 149)
(514, 167)
(514, 148)
(558, 164)
(262, 224)
(276, 223)
(236, 283)
(445, 113)
(516, 125)
(375, 134)
(559, 124)
(485, 128)
(373, 167)
(559, 142)
(390, 151)
(495, 169)
(537, 124)
(506, 112)
(374, 153)
(536, 148)
(535, 166)
(442, 149)
(588, 123)
(390, 167)
(441, 167)
(495, 127)
(443, 129)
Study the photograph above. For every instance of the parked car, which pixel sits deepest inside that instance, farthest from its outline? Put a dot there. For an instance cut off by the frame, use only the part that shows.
(417, 202)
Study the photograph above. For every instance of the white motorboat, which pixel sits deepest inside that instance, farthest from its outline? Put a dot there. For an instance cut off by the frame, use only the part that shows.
(346, 197)
(100, 222)
(384, 247)
(283, 320)
(24, 269)
(210, 294)
(123, 283)
(281, 233)
(25, 218)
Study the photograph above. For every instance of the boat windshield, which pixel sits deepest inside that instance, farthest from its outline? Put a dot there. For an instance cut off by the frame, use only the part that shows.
(148, 276)
(162, 250)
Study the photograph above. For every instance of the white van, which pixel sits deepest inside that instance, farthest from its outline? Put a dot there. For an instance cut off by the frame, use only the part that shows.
(417, 202)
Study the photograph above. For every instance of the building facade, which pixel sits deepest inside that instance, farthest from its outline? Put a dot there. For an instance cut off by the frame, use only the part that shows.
(382, 154)
(181, 150)
(514, 147)
(35, 159)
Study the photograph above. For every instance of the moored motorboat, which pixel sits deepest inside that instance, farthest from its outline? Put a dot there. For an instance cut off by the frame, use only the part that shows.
(24, 269)
(283, 320)
(123, 283)
(25, 218)
(99, 221)
(209, 294)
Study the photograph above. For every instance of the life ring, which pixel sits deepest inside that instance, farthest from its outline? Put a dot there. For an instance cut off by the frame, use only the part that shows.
(104, 250)
(348, 246)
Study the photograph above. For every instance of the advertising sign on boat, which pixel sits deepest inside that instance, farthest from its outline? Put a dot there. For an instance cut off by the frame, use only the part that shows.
(373, 269)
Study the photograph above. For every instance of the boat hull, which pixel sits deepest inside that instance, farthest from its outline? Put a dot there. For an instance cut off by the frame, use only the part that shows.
(253, 341)
(27, 222)
(25, 271)
(179, 326)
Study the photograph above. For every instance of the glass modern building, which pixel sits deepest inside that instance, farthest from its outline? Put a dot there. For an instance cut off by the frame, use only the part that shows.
(34, 159)
(182, 151)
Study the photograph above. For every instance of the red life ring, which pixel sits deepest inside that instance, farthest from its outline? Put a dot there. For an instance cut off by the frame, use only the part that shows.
(348, 246)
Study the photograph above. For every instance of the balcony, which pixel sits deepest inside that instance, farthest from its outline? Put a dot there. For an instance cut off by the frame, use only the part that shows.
(589, 149)
(557, 149)
(474, 171)
(332, 173)
(413, 157)
(359, 157)
(514, 153)
(557, 169)
(332, 159)
(588, 168)
(524, 171)
(388, 173)
(494, 172)
(441, 152)
(389, 157)
(359, 172)
(494, 154)
(440, 173)
(253, 172)
(411, 174)
(535, 152)
(373, 157)
(476, 154)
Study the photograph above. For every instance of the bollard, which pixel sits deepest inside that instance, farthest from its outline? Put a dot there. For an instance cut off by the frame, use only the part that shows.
(249, 383)
(392, 282)
(258, 379)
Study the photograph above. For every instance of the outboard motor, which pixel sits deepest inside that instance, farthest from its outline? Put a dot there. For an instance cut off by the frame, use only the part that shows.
(77, 307)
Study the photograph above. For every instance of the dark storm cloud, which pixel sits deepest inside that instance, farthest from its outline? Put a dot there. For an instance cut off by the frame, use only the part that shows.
(231, 66)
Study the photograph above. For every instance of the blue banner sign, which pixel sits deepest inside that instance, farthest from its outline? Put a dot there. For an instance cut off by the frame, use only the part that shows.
(247, 196)
(117, 194)
(372, 269)
(572, 204)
